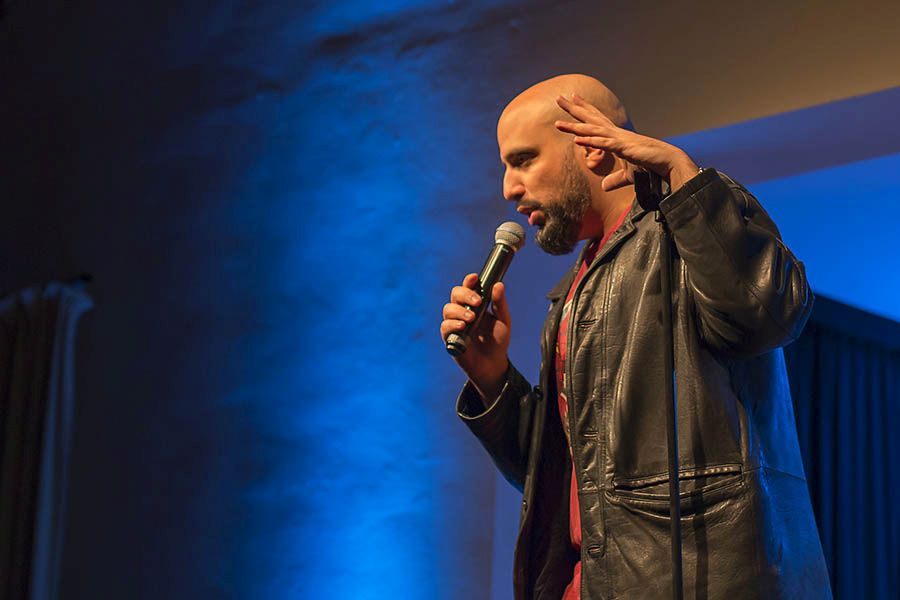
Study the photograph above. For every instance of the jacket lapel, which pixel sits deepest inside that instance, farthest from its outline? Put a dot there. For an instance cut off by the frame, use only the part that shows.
(551, 327)
(622, 234)
(561, 289)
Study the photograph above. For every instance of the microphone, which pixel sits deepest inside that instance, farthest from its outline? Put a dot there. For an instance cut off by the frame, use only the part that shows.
(509, 238)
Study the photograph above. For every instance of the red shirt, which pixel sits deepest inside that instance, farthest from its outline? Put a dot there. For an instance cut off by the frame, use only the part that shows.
(573, 590)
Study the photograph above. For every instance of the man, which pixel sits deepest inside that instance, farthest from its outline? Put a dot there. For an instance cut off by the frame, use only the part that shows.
(587, 446)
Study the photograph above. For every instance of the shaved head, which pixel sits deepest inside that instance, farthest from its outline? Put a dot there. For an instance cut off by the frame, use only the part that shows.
(538, 103)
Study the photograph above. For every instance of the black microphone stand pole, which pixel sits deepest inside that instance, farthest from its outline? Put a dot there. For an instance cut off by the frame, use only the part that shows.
(648, 188)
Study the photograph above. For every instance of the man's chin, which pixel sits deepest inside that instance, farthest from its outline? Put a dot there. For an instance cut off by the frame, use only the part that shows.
(555, 245)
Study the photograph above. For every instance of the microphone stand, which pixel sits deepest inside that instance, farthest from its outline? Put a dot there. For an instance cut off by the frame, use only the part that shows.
(648, 188)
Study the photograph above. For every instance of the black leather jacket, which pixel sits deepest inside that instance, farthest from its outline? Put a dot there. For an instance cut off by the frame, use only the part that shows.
(748, 529)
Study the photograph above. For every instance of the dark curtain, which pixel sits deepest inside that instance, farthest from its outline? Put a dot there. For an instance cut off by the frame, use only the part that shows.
(845, 380)
(36, 406)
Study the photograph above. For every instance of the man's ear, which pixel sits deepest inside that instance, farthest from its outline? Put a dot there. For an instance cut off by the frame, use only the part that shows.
(599, 161)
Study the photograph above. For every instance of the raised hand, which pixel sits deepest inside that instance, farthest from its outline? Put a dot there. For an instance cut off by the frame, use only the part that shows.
(595, 130)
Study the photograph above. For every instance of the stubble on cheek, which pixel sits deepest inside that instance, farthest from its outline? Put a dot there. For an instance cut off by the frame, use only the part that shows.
(559, 233)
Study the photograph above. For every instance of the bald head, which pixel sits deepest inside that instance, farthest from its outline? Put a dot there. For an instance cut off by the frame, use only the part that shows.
(538, 105)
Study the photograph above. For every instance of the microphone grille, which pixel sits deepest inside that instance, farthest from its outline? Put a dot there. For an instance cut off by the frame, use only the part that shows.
(510, 233)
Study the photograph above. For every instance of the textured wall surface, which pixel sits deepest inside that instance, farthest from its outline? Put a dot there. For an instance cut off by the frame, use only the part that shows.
(261, 411)
(274, 199)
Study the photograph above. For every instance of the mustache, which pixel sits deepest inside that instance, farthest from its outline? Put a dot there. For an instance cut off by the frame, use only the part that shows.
(529, 205)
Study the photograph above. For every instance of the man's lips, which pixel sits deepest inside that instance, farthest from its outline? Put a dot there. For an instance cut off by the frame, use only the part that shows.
(534, 213)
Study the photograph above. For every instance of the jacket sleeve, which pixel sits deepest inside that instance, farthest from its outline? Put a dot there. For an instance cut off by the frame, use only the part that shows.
(504, 428)
(750, 292)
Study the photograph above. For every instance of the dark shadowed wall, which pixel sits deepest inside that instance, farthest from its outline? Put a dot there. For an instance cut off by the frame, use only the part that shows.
(274, 199)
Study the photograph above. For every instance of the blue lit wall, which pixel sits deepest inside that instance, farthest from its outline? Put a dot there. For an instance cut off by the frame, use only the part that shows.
(262, 195)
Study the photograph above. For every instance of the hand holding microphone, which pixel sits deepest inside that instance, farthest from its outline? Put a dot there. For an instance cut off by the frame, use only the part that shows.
(477, 338)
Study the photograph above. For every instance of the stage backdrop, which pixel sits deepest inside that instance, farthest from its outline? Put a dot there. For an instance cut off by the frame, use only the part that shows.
(275, 198)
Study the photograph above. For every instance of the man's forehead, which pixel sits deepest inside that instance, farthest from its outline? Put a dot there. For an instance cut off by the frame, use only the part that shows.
(527, 122)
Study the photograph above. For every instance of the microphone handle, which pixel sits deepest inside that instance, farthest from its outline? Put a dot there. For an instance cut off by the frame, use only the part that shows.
(492, 272)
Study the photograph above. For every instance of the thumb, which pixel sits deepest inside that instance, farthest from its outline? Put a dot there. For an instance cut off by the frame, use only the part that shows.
(498, 299)
(616, 180)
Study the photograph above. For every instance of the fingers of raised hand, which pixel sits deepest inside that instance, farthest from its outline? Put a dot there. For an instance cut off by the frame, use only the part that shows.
(589, 108)
(582, 110)
(603, 143)
(582, 128)
(589, 135)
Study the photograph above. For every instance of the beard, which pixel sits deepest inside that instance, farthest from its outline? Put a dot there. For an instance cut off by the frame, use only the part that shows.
(559, 233)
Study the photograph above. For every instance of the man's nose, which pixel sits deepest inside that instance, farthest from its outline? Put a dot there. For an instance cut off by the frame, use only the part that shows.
(513, 189)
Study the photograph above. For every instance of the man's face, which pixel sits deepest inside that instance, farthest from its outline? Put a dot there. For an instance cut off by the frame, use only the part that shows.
(544, 180)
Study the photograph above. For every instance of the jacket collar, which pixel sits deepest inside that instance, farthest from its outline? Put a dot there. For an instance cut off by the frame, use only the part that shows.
(621, 234)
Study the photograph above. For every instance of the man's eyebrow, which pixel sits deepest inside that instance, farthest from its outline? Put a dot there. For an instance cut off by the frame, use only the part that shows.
(509, 156)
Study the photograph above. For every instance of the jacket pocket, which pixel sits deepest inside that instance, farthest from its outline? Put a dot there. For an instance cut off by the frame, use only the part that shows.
(699, 489)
